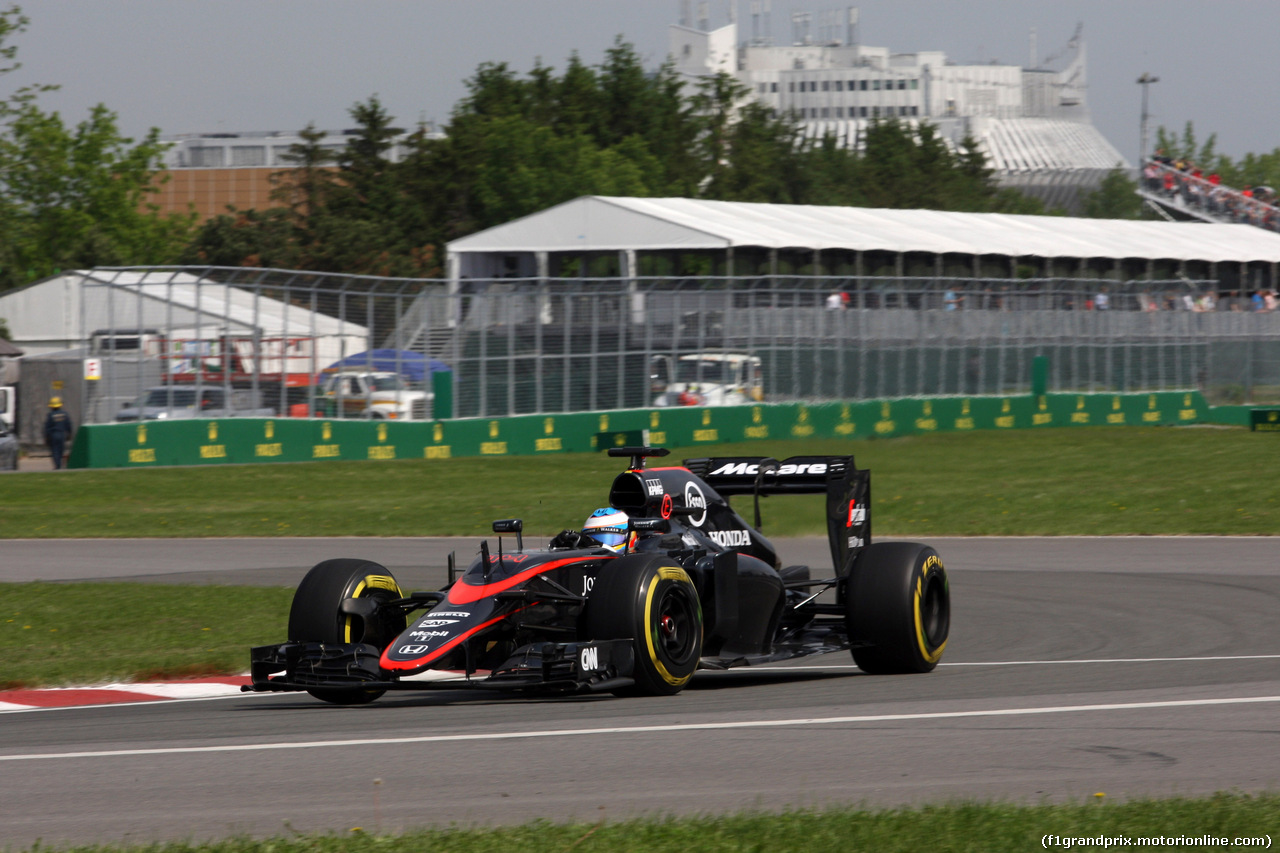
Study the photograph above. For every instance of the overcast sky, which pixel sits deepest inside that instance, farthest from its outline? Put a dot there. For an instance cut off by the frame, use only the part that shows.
(202, 66)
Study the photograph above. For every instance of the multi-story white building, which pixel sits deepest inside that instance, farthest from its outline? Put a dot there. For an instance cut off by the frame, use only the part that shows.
(1032, 123)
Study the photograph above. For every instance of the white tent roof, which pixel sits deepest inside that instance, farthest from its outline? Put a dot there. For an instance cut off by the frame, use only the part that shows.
(65, 309)
(599, 223)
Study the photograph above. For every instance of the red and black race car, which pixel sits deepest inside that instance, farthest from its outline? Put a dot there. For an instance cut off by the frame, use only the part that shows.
(689, 585)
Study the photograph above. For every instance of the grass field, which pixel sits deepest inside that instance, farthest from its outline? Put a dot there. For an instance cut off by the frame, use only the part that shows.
(1120, 480)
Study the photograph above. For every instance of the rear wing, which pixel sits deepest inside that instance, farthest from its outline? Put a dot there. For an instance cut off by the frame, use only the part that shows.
(847, 487)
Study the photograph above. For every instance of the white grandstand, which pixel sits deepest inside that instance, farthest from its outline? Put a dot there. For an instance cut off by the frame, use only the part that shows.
(1032, 123)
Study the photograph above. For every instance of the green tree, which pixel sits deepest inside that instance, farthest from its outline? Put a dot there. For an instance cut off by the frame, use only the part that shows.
(1115, 198)
(79, 197)
(73, 197)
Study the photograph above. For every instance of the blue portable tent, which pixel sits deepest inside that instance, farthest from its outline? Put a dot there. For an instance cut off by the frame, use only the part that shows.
(413, 366)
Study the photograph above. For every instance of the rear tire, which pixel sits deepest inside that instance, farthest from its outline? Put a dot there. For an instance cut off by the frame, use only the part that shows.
(899, 604)
(651, 599)
(315, 616)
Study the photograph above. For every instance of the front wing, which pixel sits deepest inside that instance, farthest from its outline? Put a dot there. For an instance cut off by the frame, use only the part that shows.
(554, 667)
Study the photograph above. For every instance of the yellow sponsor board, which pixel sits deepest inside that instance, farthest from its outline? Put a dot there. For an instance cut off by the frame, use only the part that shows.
(706, 435)
(326, 451)
(927, 424)
(274, 448)
(553, 443)
(757, 431)
(142, 454)
(440, 451)
(1079, 417)
(382, 451)
(213, 451)
(493, 448)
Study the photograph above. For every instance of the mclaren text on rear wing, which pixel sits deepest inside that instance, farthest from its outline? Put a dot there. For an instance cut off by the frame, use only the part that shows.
(848, 491)
(744, 475)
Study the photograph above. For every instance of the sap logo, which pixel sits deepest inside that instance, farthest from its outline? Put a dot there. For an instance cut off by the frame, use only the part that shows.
(435, 623)
(731, 538)
(855, 542)
(857, 514)
(427, 635)
(589, 658)
(412, 650)
(743, 469)
(694, 499)
(654, 487)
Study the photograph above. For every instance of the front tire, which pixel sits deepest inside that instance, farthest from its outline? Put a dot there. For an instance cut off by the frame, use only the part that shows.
(652, 600)
(315, 616)
(898, 608)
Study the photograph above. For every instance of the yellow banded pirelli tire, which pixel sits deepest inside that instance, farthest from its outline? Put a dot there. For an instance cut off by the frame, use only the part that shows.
(898, 608)
(315, 615)
(650, 599)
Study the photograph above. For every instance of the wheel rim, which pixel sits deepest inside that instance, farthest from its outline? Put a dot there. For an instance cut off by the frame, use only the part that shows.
(935, 611)
(676, 625)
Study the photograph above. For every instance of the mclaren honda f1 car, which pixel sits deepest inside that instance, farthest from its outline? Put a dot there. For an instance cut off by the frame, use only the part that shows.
(682, 583)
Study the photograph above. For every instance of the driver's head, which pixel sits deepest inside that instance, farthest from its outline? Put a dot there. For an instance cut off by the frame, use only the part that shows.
(609, 527)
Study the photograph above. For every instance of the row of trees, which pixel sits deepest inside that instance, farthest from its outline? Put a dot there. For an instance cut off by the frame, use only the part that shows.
(519, 144)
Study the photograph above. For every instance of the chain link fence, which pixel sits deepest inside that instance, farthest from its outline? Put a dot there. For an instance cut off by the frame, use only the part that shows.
(266, 338)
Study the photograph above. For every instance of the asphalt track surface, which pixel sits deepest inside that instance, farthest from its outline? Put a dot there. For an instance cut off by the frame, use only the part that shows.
(1132, 667)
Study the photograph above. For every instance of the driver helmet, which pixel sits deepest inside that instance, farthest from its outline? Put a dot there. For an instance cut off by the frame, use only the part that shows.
(610, 527)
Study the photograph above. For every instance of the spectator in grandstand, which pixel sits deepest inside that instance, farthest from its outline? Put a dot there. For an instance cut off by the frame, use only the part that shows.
(1103, 300)
(1270, 300)
(1151, 177)
(1257, 302)
(951, 299)
(834, 301)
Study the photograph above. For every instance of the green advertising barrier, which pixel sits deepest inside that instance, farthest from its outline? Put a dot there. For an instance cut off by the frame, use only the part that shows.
(251, 440)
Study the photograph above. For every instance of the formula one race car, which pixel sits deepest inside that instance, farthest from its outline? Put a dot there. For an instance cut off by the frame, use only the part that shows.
(670, 580)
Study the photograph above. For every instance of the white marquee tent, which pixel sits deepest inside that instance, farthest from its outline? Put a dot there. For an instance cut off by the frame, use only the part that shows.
(527, 247)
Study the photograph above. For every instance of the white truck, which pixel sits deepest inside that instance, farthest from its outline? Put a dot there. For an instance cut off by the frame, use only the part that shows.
(379, 395)
(8, 406)
(707, 379)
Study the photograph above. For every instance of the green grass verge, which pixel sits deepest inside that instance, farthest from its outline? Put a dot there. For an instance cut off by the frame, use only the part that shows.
(989, 828)
(1121, 480)
(138, 631)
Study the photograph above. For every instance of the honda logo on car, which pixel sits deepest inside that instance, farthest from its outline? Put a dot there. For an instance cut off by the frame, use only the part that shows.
(413, 650)
(694, 499)
(731, 538)
(743, 469)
